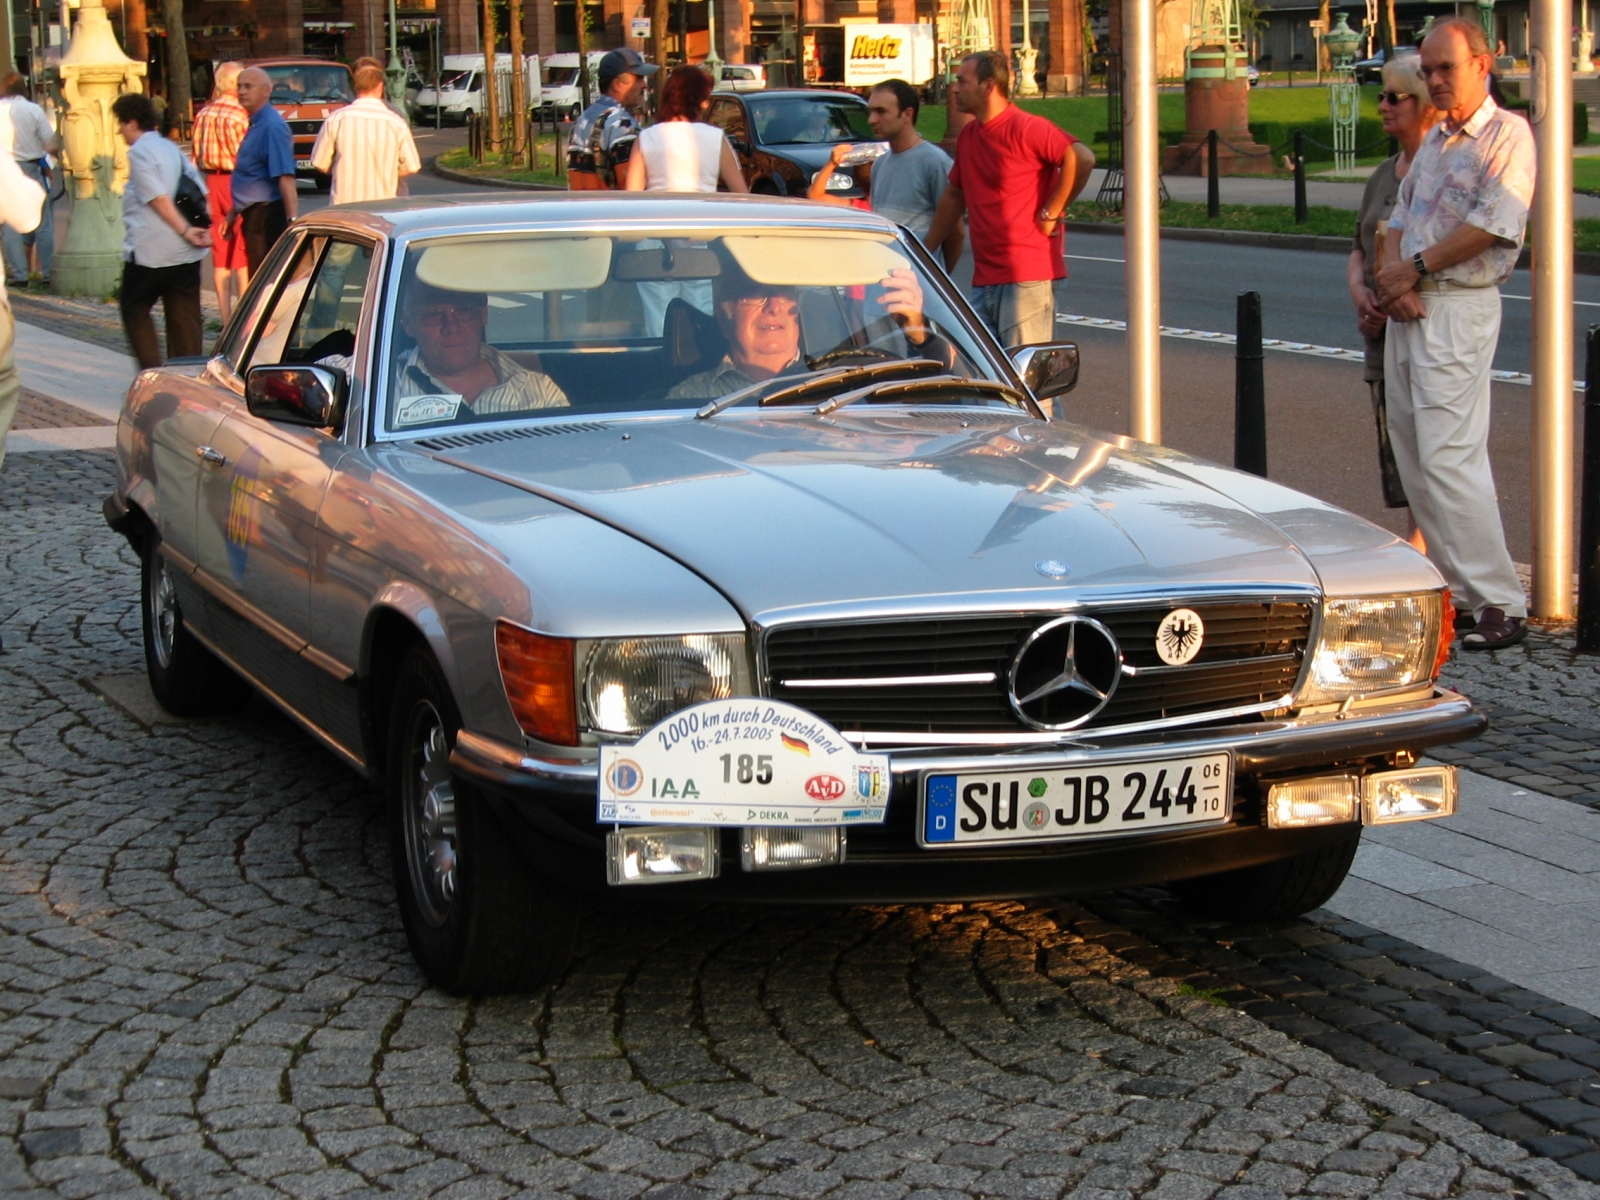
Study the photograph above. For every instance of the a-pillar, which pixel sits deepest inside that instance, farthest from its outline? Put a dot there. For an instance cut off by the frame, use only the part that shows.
(458, 27)
(1066, 48)
(280, 27)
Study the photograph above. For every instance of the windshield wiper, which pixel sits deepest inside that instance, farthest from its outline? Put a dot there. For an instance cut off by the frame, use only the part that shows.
(799, 385)
(910, 387)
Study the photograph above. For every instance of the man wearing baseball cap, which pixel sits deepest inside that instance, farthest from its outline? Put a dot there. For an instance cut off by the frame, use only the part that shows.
(604, 133)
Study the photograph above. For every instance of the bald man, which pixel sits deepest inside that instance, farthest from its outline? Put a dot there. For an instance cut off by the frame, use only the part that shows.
(264, 195)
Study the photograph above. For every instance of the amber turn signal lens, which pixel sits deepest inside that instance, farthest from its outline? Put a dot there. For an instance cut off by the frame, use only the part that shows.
(537, 673)
(1447, 632)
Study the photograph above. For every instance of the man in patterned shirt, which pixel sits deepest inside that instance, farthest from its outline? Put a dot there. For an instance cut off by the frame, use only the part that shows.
(452, 374)
(604, 133)
(219, 127)
(1460, 219)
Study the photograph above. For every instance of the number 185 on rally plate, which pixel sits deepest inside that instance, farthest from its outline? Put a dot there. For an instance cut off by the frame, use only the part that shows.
(1069, 803)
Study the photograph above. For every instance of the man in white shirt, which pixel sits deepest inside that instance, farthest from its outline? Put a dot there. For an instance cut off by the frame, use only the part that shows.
(32, 139)
(20, 201)
(365, 146)
(161, 251)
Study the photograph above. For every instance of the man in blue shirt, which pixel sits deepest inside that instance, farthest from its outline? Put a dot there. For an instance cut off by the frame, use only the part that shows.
(264, 195)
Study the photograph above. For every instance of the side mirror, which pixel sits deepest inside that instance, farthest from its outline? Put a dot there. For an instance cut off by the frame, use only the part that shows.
(1049, 369)
(296, 395)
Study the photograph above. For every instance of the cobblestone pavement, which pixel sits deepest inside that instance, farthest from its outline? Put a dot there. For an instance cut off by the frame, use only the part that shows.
(91, 319)
(204, 991)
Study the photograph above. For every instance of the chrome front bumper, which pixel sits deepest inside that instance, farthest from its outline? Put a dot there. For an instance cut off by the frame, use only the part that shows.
(1259, 748)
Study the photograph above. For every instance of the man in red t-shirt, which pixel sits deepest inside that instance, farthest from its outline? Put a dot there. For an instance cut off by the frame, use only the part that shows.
(1014, 176)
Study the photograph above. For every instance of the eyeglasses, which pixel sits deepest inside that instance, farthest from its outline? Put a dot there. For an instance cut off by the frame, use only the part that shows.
(1445, 68)
(1394, 98)
(455, 314)
(763, 301)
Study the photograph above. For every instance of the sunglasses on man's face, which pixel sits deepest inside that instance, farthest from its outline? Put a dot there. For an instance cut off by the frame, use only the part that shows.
(1393, 98)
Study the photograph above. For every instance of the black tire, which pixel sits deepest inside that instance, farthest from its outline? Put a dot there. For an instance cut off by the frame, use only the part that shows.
(477, 917)
(1275, 890)
(186, 678)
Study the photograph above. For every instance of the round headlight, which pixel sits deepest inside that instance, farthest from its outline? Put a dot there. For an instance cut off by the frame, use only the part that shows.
(631, 683)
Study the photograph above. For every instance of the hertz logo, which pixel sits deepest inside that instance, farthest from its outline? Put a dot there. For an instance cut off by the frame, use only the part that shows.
(875, 47)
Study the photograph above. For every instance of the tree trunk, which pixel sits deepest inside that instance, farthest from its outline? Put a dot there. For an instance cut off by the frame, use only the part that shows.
(491, 85)
(138, 47)
(1322, 46)
(179, 109)
(519, 100)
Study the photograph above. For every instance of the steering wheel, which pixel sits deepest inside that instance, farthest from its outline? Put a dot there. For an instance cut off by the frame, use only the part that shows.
(846, 353)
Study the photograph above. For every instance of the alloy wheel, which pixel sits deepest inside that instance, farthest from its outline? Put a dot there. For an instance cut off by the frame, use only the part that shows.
(430, 817)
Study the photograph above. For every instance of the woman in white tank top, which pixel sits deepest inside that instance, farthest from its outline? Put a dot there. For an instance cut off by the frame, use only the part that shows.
(680, 152)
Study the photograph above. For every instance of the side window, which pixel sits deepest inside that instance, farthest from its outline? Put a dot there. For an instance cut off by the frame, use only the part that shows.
(236, 339)
(279, 318)
(728, 116)
(332, 312)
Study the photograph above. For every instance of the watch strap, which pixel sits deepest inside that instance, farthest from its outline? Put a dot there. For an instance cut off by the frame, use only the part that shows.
(1422, 267)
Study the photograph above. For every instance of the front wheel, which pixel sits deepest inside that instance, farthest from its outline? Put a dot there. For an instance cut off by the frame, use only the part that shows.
(1275, 890)
(186, 678)
(477, 918)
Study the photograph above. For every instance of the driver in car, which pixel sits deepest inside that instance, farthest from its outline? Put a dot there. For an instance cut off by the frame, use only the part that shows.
(761, 323)
(452, 368)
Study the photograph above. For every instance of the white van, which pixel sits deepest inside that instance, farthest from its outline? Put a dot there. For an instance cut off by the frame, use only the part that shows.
(560, 94)
(461, 88)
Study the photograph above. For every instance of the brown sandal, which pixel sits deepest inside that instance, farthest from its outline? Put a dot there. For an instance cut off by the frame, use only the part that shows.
(1495, 631)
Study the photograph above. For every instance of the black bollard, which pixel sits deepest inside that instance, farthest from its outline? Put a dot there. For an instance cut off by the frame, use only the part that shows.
(1213, 197)
(1249, 389)
(1589, 510)
(1300, 217)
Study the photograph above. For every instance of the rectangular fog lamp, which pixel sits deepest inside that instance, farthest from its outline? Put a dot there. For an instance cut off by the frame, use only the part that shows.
(1415, 794)
(778, 848)
(661, 854)
(1325, 800)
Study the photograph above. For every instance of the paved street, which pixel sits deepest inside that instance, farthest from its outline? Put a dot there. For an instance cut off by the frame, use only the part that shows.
(205, 991)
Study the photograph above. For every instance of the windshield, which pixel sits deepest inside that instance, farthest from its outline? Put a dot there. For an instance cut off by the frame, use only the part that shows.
(809, 120)
(560, 76)
(458, 81)
(310, 83)
(502, 328)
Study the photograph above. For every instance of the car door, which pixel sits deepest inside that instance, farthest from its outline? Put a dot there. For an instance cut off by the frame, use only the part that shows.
(258, 507)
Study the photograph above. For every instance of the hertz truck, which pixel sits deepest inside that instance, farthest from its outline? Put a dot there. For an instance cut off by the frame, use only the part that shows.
(873, 53)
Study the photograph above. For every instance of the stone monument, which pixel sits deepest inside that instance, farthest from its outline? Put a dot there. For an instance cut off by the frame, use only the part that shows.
(94, 72)
(1216, 95)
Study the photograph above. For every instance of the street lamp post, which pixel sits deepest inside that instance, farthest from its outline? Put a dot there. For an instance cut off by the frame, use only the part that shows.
(712, 61)
(1027, 57)
(394, 75)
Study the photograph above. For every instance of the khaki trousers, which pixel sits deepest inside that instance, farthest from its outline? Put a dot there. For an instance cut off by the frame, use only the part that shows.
(10, 382)
(1436, 372)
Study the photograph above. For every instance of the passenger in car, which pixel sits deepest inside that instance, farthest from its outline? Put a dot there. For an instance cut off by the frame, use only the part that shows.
(452, 367)
(762, 325)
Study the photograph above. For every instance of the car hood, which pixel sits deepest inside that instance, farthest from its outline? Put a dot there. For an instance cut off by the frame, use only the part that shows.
(787, 513)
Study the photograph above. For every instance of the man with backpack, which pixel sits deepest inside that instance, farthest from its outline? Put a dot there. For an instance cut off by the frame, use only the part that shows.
(604, 133)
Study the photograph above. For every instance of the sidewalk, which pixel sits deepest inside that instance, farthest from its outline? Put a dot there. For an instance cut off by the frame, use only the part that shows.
(73, 391)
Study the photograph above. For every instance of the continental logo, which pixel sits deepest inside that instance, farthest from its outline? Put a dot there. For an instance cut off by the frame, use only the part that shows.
(875, 47)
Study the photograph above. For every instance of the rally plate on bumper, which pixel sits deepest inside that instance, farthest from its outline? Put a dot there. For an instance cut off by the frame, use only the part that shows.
(1075, 802)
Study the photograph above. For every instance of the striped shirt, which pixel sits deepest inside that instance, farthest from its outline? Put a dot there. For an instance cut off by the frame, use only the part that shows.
(367, 148)
(517, 389)
(219, 127)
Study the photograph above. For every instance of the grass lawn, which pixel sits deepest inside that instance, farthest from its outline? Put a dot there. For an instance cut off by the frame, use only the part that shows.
(461, 160)
(1085, 116)
(1257, 218)
(1586, 174)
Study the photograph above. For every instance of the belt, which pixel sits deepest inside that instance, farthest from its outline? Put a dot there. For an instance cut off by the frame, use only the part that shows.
(226, 171)
(1450, 285)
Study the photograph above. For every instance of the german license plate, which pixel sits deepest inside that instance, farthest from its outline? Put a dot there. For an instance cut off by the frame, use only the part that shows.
(1071, 803)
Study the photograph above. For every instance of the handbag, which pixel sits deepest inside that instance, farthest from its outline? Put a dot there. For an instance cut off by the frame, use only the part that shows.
(190, 201)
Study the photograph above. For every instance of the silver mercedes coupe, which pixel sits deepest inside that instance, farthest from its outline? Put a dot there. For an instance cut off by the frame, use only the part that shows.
(712, 543)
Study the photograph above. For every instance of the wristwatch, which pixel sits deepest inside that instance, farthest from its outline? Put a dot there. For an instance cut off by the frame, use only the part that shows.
(1046, 215)
(1421, 267)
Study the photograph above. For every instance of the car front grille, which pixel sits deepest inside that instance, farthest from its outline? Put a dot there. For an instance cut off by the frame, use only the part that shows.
(1250, 656)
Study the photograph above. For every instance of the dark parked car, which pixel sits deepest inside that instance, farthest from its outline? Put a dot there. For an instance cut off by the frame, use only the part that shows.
(783, 137)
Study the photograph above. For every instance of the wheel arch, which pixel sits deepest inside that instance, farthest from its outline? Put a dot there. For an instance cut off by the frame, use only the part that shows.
(401, 616)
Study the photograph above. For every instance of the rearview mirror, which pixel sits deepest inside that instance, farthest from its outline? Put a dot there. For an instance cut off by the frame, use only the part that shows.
(296, 395)
(1049, 369)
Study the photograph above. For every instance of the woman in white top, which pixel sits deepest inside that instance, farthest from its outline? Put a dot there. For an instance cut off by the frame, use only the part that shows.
(680, 152)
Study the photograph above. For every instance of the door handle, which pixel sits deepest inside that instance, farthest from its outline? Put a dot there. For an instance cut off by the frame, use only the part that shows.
(211, 456)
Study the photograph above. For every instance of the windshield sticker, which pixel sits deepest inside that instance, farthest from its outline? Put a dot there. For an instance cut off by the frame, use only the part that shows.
(424, 410)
